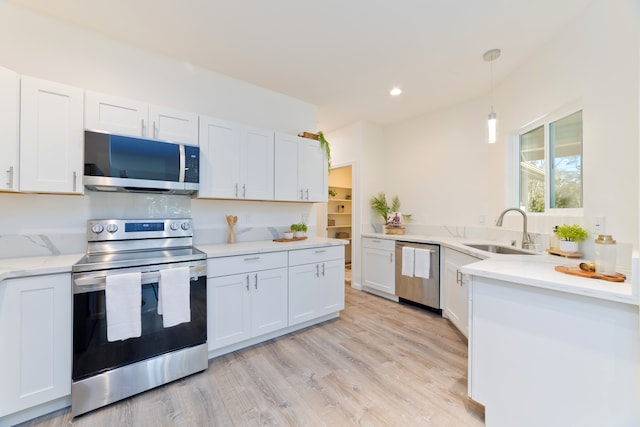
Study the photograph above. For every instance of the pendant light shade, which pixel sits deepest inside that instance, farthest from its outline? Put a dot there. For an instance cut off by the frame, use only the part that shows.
(492, 125)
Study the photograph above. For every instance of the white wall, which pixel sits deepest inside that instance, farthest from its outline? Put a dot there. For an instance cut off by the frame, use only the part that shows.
(445, 173)
(34, 45)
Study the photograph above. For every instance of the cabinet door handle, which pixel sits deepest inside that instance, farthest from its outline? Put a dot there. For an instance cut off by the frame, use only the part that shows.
(236, 190)
(141, 127)
(301, 194)
(459, 277)
(323, 269)
(317, 270)
(256, 284)
(247, 282)
(307, 191)
(10, 177)
(244, 191)
(155, 136)
(75, 176)
(391, 257)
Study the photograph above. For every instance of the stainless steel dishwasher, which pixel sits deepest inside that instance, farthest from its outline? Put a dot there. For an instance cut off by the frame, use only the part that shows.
(423, 291)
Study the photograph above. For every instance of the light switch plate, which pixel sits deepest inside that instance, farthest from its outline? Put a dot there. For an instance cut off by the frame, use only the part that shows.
(598, 226)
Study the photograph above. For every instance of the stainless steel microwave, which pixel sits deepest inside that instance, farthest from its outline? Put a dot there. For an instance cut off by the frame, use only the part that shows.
(124, 163)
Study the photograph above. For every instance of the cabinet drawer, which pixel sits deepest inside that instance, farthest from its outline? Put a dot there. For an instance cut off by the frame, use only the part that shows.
(224, 266)
(375, 243)
(319, 254)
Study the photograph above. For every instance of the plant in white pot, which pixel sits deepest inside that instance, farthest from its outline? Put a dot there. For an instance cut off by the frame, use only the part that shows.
(299, 229)
(570, 236)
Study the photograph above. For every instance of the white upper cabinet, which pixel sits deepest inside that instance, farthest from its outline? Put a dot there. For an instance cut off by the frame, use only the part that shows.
(9, 125)
(300, 169)
(106, 113)
(51, 137)
(236, 161)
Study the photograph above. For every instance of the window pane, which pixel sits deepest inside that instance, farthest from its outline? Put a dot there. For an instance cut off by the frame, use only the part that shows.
(565, 148)
(532, 170)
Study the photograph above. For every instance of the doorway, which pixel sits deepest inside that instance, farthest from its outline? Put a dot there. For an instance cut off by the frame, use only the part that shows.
(339, 220)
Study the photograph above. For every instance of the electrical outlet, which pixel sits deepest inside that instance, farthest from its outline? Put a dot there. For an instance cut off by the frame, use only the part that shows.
(598, 226)
(482, 220)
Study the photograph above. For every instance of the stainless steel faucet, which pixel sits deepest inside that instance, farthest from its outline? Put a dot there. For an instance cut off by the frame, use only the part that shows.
(527, 242)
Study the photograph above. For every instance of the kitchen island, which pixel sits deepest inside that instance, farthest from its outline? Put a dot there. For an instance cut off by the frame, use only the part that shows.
(551, 349)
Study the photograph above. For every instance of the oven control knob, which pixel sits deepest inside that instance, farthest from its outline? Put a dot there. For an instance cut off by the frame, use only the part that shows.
(185, 226)
(112, 228)
(174, 226)
(97, 228)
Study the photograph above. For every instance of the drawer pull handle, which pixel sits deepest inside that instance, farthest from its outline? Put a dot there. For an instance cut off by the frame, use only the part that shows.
(252, 258)
(320, 251)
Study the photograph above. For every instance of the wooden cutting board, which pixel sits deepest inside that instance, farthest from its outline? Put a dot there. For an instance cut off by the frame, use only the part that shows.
(294, 239)
(575, 271)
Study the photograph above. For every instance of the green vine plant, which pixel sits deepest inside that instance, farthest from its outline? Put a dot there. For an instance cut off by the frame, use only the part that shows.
(324, 144)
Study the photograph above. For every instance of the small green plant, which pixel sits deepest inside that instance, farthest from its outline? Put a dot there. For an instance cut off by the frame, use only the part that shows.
(301, 226)
(572, 233)
(332, 192)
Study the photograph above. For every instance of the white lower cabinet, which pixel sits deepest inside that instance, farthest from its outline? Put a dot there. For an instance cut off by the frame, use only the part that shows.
(378, 257)
(35, 341)
(316, 283)
(248, 304)
(456, 289)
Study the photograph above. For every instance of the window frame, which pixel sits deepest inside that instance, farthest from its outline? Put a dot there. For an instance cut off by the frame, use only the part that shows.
(545, 121)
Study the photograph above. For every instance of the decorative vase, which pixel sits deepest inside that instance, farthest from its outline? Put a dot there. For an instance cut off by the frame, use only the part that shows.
(568, 246)
(231, 221)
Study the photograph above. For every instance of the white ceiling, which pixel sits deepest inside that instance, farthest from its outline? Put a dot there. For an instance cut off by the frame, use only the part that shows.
(341, 55)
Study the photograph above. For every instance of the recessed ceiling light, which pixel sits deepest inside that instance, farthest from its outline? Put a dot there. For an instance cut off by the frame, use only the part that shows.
(395, 91)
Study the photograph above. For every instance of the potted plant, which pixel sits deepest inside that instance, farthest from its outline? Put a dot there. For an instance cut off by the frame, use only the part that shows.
(299, 229)
(570, 236)
(324, 144)
(332, 192)
(381, 207)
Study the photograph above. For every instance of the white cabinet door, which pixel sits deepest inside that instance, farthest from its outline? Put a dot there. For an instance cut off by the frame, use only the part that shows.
(315, 172)
(288, 169)
(331, 290)
(456, 289)
(303, 284)
(228, 310)
(268, 301)
(256, 163)
(35, 332)
(300, 169)
(9, 125)
(172, 125)
(51, 137)
(112, 114)
(220, 143)
(379, 269)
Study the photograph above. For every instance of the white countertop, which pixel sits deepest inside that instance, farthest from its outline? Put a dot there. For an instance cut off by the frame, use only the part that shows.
(529, 270)
(42, 265)
(37, 266)
(243, 248)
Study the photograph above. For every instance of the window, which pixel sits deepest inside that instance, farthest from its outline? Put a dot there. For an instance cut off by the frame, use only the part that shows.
(550, 164)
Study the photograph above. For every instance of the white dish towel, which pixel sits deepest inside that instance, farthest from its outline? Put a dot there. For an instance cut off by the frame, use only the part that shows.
(123, 299)
(408, 256)
(423, 263)
(173, 296)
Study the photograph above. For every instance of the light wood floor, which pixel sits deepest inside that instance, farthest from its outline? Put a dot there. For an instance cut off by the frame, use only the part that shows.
(379, 364)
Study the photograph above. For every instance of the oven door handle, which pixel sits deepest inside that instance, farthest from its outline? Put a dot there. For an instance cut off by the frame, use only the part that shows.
(92, 283)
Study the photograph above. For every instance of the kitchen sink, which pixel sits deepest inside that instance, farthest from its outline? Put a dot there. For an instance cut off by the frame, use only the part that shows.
(497, 249)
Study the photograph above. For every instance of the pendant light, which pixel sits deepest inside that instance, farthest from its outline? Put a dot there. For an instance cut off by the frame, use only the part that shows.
(490, 56)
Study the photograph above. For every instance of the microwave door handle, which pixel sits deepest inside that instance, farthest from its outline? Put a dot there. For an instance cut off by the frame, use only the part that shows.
(182, 162)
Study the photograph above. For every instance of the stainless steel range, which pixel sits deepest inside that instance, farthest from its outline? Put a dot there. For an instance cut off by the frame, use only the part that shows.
(136, 256)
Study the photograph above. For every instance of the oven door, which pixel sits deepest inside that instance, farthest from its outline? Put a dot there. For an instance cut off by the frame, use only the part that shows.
(93, 354)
